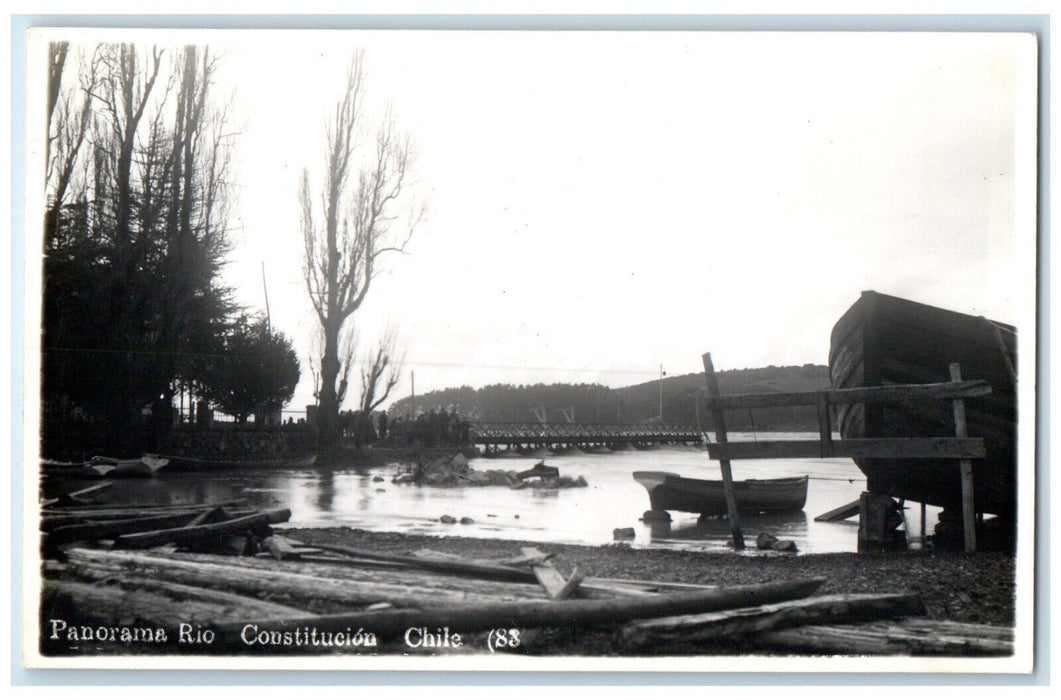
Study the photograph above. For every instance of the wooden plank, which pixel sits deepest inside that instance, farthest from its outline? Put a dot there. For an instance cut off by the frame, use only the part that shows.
(966, 468)
(877, 394)
(73, 497)
(882, 448)
(550, 577)
(553, 613)
(715, 626)
(842, 513)
(184, 534)
(113, 528)
(727, 473)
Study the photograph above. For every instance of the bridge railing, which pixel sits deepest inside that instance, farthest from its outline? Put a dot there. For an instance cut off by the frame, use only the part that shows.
(501, 431)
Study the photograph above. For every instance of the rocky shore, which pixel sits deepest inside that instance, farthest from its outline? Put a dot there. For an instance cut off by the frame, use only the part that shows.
(977, 588)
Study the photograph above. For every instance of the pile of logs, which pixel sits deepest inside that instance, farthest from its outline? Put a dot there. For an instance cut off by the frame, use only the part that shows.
(168, 566)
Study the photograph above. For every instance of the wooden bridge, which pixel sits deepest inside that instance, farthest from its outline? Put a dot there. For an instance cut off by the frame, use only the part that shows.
(565, 435)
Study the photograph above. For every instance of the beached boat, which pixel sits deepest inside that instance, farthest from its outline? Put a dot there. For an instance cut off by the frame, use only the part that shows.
(194, 464)
(667, 491)
(884, 340)
(145, 466)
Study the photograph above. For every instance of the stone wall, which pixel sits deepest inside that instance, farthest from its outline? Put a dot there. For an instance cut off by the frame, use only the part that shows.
(247, 442)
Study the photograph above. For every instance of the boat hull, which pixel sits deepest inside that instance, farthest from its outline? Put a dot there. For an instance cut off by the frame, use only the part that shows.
(884, 340)
(667, 491)
(195, 464)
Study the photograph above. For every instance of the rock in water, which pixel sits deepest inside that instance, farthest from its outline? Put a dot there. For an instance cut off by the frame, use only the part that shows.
(447, 519)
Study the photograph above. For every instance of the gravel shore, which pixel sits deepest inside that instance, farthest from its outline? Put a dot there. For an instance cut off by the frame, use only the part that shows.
(976, 588)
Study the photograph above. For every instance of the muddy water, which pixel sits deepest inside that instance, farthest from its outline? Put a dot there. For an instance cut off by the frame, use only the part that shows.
(365, 498)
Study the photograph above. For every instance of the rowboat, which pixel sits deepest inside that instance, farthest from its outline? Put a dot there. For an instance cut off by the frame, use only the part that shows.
(194, 464)
(885, 340)
(667, 491)
(148, 465)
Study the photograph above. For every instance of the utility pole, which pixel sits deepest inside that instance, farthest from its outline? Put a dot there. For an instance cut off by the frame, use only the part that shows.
(661, 375)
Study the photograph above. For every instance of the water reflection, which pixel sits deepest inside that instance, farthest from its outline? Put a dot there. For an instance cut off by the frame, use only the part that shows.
(353, 497)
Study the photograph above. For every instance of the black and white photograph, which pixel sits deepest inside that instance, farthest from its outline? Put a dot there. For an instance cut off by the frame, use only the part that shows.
(530, 350)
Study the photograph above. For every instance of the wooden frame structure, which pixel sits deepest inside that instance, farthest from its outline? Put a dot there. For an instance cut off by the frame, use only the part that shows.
(961, 447)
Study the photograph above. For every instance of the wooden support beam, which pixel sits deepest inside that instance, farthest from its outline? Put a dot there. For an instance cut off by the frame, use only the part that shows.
(185, 534)
(825, 430)
(720, 437)
(882, 448)
(966, 468)
(877, 394)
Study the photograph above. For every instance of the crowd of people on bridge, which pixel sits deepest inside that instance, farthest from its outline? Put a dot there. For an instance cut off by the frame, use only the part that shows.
(436, 428)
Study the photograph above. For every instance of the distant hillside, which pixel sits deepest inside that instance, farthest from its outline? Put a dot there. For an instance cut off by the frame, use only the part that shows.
(592, 403)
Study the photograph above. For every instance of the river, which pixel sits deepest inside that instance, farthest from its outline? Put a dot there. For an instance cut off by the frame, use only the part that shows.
(359, 497)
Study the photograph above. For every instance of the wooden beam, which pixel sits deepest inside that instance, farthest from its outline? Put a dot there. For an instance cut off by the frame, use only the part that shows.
(719, 421)
(842, 513)
(966, 468)
(550, 577)
(882, 448)
(917, 636)
(878, 394)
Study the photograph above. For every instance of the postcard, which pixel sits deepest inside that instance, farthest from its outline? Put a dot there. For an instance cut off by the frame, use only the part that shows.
(530, 350)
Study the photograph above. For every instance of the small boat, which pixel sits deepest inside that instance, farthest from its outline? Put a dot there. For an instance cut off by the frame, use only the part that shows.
(195, 464)
(885, 340)
(148, 465)
(668, 491)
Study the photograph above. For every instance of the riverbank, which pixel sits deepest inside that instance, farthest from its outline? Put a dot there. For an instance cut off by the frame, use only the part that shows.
(978, 588)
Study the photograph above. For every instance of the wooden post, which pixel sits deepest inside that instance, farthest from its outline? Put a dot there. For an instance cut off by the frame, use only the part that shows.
(966, 466)
(825, 430)
(720, 436)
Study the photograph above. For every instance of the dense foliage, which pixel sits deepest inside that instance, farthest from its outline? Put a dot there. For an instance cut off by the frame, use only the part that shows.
(255, 372)
(135, 237)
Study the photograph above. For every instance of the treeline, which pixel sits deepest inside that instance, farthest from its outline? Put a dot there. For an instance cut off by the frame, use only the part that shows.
(136, 232)
(640, 403)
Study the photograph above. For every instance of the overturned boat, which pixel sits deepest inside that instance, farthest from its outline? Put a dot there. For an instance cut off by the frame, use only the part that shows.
(883, 340)
(668, 491)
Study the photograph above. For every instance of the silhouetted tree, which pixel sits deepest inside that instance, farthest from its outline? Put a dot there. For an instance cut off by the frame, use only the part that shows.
(352, 230)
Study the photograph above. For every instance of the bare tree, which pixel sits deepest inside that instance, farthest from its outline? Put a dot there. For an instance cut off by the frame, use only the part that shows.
(380, 370)
(351, 231)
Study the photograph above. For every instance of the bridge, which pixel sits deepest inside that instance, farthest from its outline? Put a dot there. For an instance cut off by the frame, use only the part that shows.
(569, 435)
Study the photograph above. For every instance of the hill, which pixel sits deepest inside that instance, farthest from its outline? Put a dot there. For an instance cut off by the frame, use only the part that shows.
(595, 403)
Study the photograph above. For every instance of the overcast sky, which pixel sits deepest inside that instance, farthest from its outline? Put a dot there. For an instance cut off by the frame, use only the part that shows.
(600, 204)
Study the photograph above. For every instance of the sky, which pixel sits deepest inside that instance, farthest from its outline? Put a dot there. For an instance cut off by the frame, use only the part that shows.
(600, 205)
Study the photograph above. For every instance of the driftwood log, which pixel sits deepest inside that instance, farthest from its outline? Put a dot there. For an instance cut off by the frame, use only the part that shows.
(914, 636)
(334, 585)
(716, 626)
(142, 540)
(534, 614)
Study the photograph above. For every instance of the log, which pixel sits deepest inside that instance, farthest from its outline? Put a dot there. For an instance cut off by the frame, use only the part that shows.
(452, 566)
(143, 540)
(719, 626)
(235, 605)
(918, 637)
(293, 581)
(114, 604)
(553, 613)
